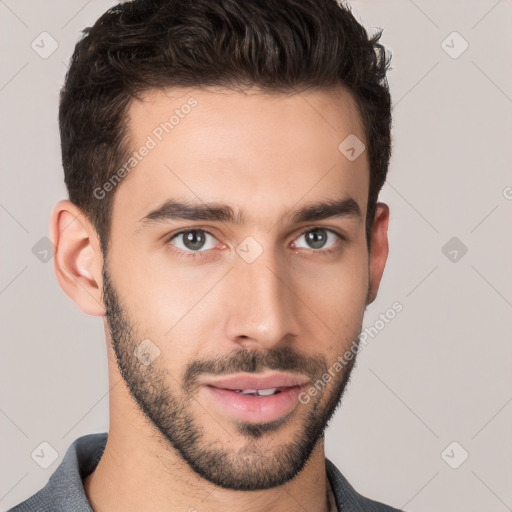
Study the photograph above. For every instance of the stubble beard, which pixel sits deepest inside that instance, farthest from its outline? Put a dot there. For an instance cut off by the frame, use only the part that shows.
(260, 463)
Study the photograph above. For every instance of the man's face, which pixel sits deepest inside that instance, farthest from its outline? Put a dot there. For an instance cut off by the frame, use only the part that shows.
(211, 298)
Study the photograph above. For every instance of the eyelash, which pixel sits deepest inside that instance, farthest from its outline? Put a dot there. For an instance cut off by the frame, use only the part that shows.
(201, 254)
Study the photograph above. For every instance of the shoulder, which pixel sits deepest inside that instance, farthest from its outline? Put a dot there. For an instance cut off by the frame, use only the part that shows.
(64, 490)
(41, 501)
(347, 498)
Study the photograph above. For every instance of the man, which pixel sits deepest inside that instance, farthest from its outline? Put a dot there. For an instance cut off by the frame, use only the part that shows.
(223, 160)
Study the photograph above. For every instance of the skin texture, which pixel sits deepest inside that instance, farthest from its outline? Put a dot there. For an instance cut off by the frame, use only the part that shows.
(296, 308)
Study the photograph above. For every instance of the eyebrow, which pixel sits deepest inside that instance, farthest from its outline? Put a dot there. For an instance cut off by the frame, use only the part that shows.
(187, 210)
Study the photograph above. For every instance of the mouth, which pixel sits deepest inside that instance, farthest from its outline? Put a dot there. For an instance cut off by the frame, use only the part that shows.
(256, 399)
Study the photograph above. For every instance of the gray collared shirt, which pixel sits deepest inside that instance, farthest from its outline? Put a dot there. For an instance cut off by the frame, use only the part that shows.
(65, 491)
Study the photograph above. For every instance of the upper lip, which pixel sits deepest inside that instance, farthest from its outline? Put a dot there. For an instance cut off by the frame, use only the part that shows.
(258, 381)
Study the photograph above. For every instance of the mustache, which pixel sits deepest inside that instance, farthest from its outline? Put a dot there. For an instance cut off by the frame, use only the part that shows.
(242, 360)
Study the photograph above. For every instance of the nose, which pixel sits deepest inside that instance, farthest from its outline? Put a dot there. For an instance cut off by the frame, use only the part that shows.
(262, 309)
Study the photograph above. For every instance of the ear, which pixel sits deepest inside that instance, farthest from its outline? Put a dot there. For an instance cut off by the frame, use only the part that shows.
(78, 260)
(378, 250)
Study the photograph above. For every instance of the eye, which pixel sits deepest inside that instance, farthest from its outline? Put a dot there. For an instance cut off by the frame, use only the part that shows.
(317, 238)
(196, 242)
(192, 240)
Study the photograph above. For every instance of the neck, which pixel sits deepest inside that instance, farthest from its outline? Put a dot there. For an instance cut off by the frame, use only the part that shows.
(133, 479)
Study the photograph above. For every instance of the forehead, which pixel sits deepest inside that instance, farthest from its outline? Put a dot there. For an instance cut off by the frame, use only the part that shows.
(260, 153)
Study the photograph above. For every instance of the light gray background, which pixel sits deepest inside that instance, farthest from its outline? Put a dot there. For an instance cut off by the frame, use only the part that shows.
(438, 372)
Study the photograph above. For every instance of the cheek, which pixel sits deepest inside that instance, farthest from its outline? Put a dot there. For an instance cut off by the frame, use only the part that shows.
(158, 303)
(342, 275)
(336, 293)
(158, 290)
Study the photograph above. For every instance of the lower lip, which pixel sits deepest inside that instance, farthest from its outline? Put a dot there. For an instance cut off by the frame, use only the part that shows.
(256, 409)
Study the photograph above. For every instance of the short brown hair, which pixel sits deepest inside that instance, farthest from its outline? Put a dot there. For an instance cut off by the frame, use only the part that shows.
(280, 45)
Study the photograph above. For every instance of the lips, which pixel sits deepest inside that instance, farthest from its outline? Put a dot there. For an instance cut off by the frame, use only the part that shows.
(252, 383)
(255, 398)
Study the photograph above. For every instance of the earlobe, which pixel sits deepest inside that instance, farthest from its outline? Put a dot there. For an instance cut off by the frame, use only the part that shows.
(78, 260)
(378, 250)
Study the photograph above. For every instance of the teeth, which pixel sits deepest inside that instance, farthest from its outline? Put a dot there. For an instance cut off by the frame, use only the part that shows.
(266, 392)
(260, 392)
(247, 391)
